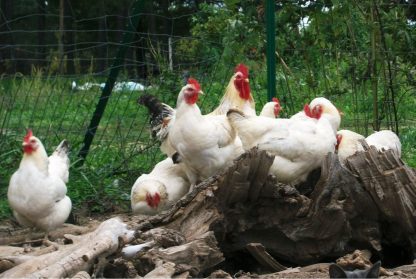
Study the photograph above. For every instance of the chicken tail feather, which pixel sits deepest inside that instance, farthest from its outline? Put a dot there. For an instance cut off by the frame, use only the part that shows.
(59, 161)
(160, 115)
(63, 148)
(152, 103)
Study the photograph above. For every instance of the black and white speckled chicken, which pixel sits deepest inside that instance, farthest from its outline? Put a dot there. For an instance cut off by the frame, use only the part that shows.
(161, 118)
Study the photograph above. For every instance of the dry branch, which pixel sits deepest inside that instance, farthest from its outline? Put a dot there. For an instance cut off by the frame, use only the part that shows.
(18, 235)
(70, 259)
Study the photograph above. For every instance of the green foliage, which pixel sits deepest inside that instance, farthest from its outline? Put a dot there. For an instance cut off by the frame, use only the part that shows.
(9, 160)
(330, 56)
(223, 34)
(408, 140)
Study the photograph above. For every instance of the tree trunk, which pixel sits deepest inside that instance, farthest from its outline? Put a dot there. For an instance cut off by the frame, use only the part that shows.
(244, 219)
(7, 9)
(374, 76)
(102, 38)
(41, 33)
(69, 46)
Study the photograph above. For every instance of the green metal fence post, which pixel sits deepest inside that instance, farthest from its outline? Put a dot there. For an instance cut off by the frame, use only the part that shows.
(271, 48)
(115, 68)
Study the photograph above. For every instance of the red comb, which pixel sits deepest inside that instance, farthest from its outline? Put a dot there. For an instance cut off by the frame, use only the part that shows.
(243, 69)
(28, 136)
(276, 100)
(195, 83)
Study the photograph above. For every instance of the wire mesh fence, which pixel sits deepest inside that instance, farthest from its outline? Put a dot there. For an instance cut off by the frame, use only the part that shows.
(55, 57)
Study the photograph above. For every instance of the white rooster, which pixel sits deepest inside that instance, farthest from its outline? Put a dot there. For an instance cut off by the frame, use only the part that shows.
(237, 94)
(299, 145)
(37, 190)
(162, 116)
(205, 143)
(160, 189)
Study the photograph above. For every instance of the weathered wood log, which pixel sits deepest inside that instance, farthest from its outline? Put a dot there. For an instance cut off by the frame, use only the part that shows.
(18, 235)
(72, 258)
(260, 254)
(200, 254)
(82, 275)
(367, 204)
(340, 215)
(392, 186)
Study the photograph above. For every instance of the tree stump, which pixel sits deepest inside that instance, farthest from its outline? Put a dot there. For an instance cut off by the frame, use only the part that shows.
(368, 204)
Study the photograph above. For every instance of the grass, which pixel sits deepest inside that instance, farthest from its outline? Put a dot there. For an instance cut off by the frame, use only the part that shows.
(120, 152)
(122, 148)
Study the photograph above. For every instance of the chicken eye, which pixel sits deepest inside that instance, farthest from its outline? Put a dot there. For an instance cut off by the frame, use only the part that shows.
(32, 141)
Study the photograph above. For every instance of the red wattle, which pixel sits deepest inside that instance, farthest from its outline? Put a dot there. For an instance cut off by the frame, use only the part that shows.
(243, 88)
(307, 110)
(191, 99)
(28, 149)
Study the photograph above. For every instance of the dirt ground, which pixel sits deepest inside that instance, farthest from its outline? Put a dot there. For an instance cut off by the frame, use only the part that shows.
(320, 270)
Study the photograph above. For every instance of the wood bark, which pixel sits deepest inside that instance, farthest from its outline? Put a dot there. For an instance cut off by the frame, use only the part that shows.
(368, 204)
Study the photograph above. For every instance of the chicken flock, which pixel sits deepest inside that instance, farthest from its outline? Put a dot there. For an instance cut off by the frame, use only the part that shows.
(197, 146)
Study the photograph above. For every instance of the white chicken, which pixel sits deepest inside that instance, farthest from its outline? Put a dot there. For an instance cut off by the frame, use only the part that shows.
(205, 143)
(385, 139)
(318, 107)
(160, 189)
(271, 109)
(37, 190)
(162, 116)
(128, 86)
(299, 145)
(118, 86)
(349, 143)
